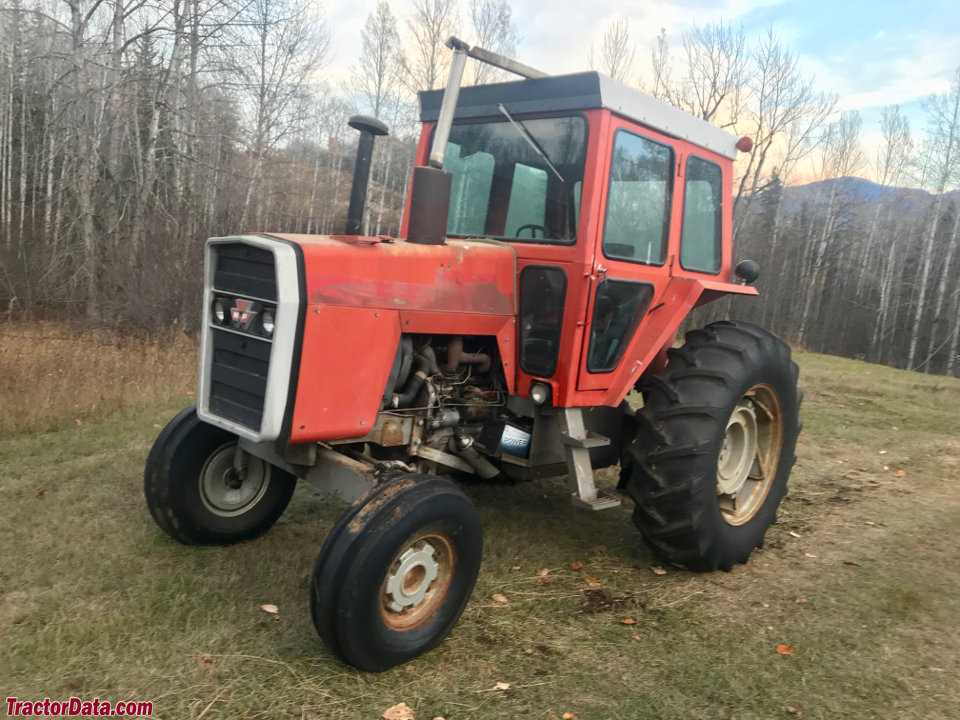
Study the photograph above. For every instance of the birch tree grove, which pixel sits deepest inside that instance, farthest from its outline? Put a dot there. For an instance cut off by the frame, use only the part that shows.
(132, 131)
(941, 168)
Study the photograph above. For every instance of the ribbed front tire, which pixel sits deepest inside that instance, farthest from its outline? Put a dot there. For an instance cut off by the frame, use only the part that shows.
(193, 495)
(396, 571)
(715, 446)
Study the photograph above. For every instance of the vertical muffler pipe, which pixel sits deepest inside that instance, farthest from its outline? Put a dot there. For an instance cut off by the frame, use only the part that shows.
(369, 129)
(430, 193)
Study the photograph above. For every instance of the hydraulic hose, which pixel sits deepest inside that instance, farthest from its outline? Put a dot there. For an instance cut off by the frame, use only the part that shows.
(421, 366)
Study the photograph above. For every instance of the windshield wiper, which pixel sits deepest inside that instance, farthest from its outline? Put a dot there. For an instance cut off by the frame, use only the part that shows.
(525, 134)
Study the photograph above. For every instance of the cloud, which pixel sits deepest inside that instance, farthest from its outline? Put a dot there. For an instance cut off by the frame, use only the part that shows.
(557, 35)
(904, 69)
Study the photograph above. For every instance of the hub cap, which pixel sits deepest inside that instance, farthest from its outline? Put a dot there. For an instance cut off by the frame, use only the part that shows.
(224, 492)
(750, 454)
(417, 581)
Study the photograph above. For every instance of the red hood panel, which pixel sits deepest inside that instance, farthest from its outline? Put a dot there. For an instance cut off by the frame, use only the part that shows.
(476, 276)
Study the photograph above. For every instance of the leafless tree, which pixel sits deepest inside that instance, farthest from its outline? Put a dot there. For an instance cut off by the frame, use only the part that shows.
(712, 85)
(841, 156)
(894, 153)
(783, 116)
(276, 46)
(660, 86)
(617, 51)
(429, 25)
(493, 30)
(890, 164)
(375, 77)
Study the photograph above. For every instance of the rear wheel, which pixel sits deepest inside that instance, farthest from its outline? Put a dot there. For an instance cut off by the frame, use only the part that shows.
(194, 493)
(396, 571)
(715, 446)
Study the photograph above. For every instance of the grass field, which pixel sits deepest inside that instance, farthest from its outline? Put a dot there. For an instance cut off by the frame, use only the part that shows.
(861, 576)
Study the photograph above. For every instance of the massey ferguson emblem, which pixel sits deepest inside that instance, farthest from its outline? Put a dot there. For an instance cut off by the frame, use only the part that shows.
(242, 314)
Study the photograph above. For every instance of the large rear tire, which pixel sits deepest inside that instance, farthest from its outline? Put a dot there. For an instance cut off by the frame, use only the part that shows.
(715, 446)
(196, 497)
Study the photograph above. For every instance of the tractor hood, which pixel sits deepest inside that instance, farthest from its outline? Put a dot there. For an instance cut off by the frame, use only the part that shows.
(469, 276)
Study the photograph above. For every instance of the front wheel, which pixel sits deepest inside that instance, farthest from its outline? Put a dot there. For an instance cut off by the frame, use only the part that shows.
(396, 571)
(715, 446)
(194, 493)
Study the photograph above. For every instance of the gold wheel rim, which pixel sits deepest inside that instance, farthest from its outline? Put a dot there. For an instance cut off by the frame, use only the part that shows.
(750, 454)
(417, 581)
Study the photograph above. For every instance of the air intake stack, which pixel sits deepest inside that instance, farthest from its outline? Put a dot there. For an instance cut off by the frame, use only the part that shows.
(369, 129)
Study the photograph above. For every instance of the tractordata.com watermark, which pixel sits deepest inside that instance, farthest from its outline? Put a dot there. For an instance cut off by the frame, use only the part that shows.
(75, 707)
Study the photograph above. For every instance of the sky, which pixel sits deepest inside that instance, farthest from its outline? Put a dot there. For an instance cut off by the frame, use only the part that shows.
(871, 53)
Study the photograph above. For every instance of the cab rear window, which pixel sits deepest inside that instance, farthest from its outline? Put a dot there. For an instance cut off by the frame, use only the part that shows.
(702, 208)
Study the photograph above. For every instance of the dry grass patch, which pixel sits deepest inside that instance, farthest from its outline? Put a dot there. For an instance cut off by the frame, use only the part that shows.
(52, 375)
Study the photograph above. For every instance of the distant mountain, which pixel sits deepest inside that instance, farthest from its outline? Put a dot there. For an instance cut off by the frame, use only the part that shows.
(858, 190)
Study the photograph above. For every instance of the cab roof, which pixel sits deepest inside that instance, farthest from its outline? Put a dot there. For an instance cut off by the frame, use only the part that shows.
(581, 91)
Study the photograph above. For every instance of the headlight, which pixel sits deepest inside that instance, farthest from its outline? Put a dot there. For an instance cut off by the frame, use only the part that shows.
(266, 320)
(540, 393)
(220, 312)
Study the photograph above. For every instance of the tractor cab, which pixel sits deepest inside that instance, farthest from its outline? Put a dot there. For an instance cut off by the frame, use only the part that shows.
(614, 203)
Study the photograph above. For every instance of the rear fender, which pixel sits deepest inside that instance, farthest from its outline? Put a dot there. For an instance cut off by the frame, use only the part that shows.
(648, 352)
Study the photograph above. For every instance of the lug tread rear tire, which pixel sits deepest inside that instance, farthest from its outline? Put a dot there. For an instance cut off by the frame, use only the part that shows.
(671, 468)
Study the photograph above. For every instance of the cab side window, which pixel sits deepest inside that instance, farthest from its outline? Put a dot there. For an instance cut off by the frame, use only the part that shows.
(638, 200)
(702, 207)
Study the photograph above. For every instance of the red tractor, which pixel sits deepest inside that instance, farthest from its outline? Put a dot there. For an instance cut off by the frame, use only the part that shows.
(557, 233)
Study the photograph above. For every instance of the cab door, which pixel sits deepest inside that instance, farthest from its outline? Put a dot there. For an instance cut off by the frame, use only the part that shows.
(631, 258)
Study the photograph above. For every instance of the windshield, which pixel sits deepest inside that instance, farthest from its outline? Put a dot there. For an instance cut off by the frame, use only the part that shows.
(504, 188)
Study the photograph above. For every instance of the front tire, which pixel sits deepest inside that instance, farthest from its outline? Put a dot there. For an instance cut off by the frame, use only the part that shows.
(195, 496)
(396, 572)
(715, 446)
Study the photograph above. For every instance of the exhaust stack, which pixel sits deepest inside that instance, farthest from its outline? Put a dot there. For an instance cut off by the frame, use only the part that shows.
(430, 191)
(369, 129)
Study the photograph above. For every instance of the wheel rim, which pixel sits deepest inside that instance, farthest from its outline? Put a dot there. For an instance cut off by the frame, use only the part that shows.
(417, 581)
(750, 454)
(225, 494)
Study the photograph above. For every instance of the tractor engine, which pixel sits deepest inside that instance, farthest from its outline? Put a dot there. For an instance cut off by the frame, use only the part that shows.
(451, 393)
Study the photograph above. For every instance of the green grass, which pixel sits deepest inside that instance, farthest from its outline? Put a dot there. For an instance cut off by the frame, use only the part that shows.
(96, 601)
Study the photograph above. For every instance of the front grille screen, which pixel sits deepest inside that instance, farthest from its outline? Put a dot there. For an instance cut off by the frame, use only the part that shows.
(238, 377)
(240, 359)
(246, 270)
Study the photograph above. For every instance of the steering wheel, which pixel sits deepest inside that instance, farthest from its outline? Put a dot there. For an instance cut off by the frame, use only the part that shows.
(532, 227)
